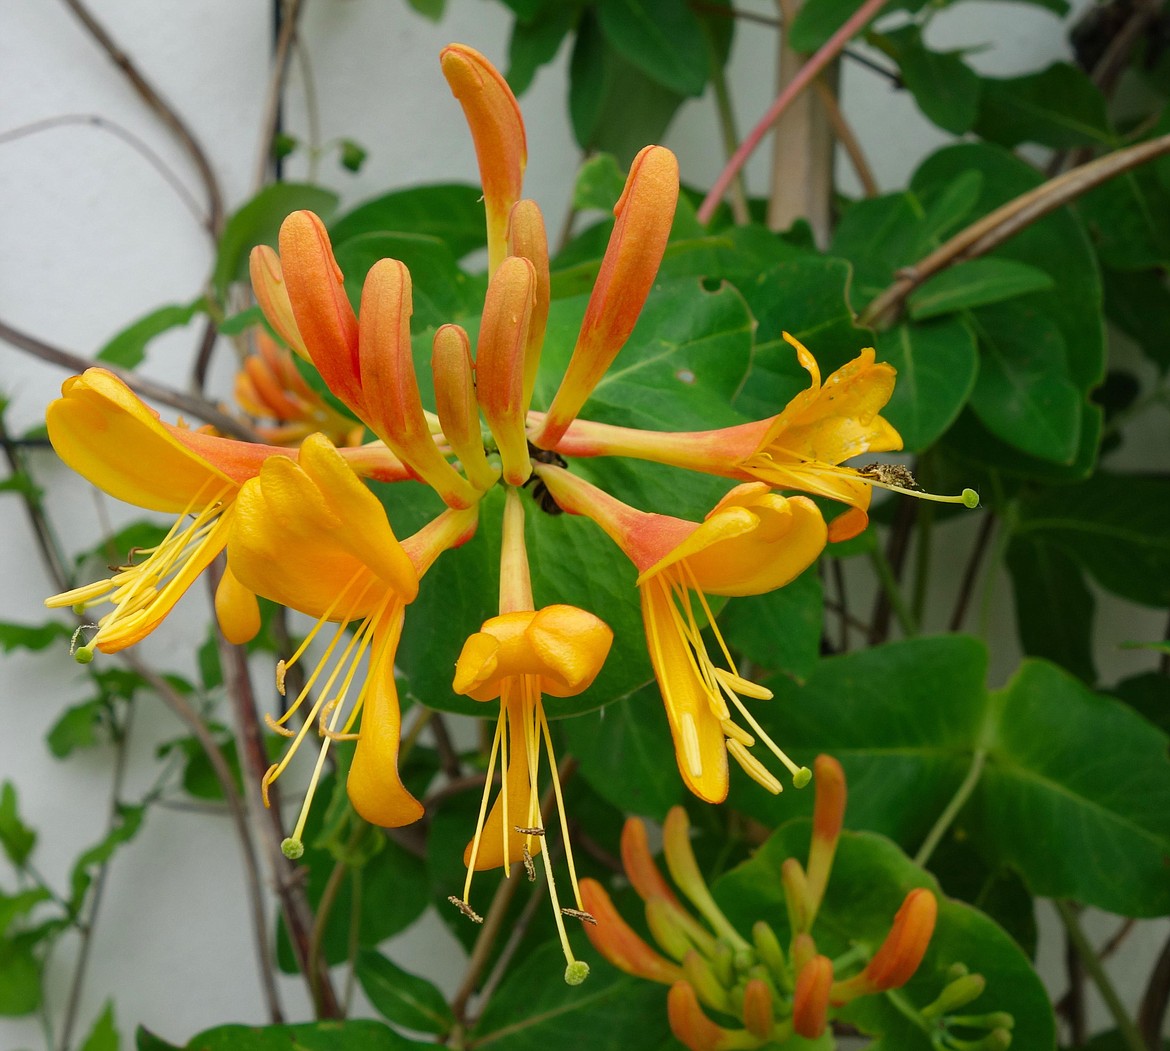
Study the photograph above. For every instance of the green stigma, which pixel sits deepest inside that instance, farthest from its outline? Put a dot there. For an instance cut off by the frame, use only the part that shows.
(802, 777)
(83, 654)
(970, 498)
(576, 972)
(292, 848)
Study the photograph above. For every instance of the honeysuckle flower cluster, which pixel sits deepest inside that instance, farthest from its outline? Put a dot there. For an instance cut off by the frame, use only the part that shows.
(772, 992)
(301, 527)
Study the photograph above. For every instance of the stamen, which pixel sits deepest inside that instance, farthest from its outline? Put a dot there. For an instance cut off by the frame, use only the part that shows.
(737, 733)
(582, 915)
(754, 768)
(276, 727)
(281, 670)
(487, 789)
(529, 831)
(556, 780)
(529, 867)
(736, 683)
(466, 909)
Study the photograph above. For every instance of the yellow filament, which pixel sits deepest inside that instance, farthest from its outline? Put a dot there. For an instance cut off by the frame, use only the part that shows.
(487, 791)
(556, 781)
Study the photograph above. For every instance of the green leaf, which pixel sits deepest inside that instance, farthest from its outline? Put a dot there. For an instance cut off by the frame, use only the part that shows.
(536, 40)
(937, 363)
(128, 347)
(16, 838)
(429, 9)
(816, 21)
(1128, 218)
(779, 631)
(534, 1010)
(599, 183)
(20, 976)
(104, 1034)
(1139, 305)
(870, 878)
(33, 637)
(402, 997)
(350, 1035)
(1147, 694)
(258, 222)
(1024, 393)
(1054, 608)
(125, 828)
(614, 106)
(1115, 526)
(452, 212)
(626, 753)
(77, 727)
(1075, 795)
(975, 283)
(662, 38)
(1056, 244)
(944, 86)
(1058, 107)
(353, 155)
(14, 906)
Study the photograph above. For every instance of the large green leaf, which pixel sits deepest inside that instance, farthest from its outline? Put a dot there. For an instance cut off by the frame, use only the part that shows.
(452, 212)
(870, 878)
(1139, 305)
(944, 86)
(1129, 219)
(1075, 793)
(1024, 393)
(779, 631)
(1116, 526)
(974, 283)
(937, 363)
(258, 222)
(533, 1010)
(1054, 608)
(536, 38)
(402, 997)
(1059, 107)
(662, 38)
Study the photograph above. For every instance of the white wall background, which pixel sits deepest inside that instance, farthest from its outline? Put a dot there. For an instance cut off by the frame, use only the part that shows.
(94, 237)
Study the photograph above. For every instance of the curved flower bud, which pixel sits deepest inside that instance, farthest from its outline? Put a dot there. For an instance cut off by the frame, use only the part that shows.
(828, 819)
(645, 212)
(499, 362)
(618, 943)
(497, 129)
(387, 367)
(692, 1027)
(272, 294)
(900, 954)
(810, 1001)
(456, 404)
(527, 239)
(324, 318)
(759, 1013)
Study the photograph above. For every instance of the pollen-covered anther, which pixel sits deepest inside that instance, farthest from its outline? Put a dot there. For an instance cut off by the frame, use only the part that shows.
(529, 867)
(754, 768)
(281, 672)
(323, 727)
(737, 733)
(464, 908)
(266, 780)
(534, 831)
(276, 726)
(580, 914)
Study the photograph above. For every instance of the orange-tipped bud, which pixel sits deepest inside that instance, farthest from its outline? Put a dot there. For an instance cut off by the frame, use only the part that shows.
(802, 951)
(640, 868)
(703, 979)
(387, 367)
(810, 1002)
(456, 404)
(272, 295)
(499, 365)
(527, 239)
(690, 1025)
(828, 817)
(644, 213)
(795, 885)
(900, 954)
(324, 317)
(497, 130)
(759, 1015)
(618, 943)
(684, 870)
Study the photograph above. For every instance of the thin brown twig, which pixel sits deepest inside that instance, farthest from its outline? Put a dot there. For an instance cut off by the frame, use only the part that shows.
(270, 124)
(1006, 221)
(1152, 1010)
(970, 570)
(199, 408)
(843, 132)
(163, 109)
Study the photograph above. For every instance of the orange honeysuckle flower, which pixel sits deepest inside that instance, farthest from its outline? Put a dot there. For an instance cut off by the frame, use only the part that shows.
(752, 541)
(105, 433)
(645, 212)
(691, 1026)
(810, 1000)
(311, 536)
(269, 387)
(803, 447)
(497, 129)
(517, 657)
